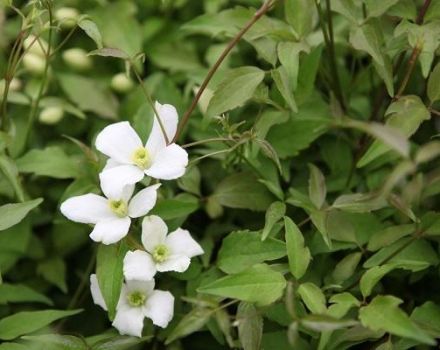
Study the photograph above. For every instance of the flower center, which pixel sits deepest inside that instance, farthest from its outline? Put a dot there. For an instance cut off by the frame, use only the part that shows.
(160, 253)
(141, 158)
(136, 299)
(118, 207)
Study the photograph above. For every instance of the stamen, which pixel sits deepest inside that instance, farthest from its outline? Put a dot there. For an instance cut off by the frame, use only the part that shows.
(141, 158)
(160, 253)
(136, 299)
(119, 207)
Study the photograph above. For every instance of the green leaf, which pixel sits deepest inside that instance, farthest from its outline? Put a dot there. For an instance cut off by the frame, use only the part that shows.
(119, 342)
(346, 267)
(311, 121)
(91, 29)
(178, 207)
(427, 317)
(89, 95)
(190, 323)
(242, 190)
(118, 27)
(13, 213)
(58, 341)
(274, 213)
(376, 8)
(369, 38)
(109, 262)
(313, 297)
(250, 326)
(383, 314)
(26, 322)
(50, 161)
(110, 52)
(322, 323)
(53, 270)
(372, 276)
(259, 284)
(434, 84)
(298, 254)
(389, 235)
(390, 136)
(405, 115)
(236, 88)
(13, 346)
(299, 14)
(317, 188)
(282, 83)
(240, 250)
(20, 293)
(10, 171)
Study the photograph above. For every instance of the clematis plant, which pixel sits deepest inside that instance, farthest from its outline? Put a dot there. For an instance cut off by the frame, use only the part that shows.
(111, 214)
(129, 160)
(138, 299)
(172, 252)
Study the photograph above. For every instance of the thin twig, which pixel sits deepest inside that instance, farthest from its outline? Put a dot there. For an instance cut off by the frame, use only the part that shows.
(150, 102)
(36, 101)
(410, 68)
(260, 13)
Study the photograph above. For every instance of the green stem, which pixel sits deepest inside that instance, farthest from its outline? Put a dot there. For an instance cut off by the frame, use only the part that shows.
(267, 5)
(36, 101)
(150, 102)
(410, 68)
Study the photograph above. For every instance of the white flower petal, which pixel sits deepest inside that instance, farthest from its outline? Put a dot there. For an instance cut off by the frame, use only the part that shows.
(87, 209)
(169, 163)
(154, 231)
(97, 297)
(168, 116)
(118, 141)
(145, 287)
(111, 163)
(110, 231)
(160, 308)
(178, 263)
(127, 192)
(143, 201)
(139, 265)
(114, 180)
(129, 320)
(181, 242)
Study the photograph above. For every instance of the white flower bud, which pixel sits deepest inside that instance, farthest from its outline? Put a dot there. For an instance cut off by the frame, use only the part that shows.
(67, 16)
(36, 46)
(51, 115)
(77, 59)
(15, 84)
(121, 83)
(33, 63)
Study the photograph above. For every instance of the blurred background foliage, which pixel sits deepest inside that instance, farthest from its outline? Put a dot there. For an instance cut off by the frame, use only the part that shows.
(313, 182)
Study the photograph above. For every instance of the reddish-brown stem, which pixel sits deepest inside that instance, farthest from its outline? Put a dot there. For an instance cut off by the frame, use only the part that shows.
(260, 13)
(411, 64)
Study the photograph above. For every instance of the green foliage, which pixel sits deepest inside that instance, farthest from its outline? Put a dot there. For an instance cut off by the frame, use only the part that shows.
(313, 180)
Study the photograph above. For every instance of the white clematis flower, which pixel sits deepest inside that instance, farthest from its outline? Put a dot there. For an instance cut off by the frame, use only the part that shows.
(138, 300)
(110, 215)
(130, 160)
(164, 252)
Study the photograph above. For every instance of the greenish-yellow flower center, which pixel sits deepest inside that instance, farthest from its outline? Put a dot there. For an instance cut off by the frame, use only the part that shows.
(160, 253)
(141, 158)
(136, 299)
(119, 207)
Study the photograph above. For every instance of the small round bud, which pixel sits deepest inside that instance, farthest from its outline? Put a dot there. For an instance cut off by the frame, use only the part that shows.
(67, 16)
(33, 63)
(36, 46)
(77, 59)
(15, 84)
(121, 83)
(51, 115)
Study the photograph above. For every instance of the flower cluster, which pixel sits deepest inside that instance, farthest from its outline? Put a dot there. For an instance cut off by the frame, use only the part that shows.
(129, 161)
